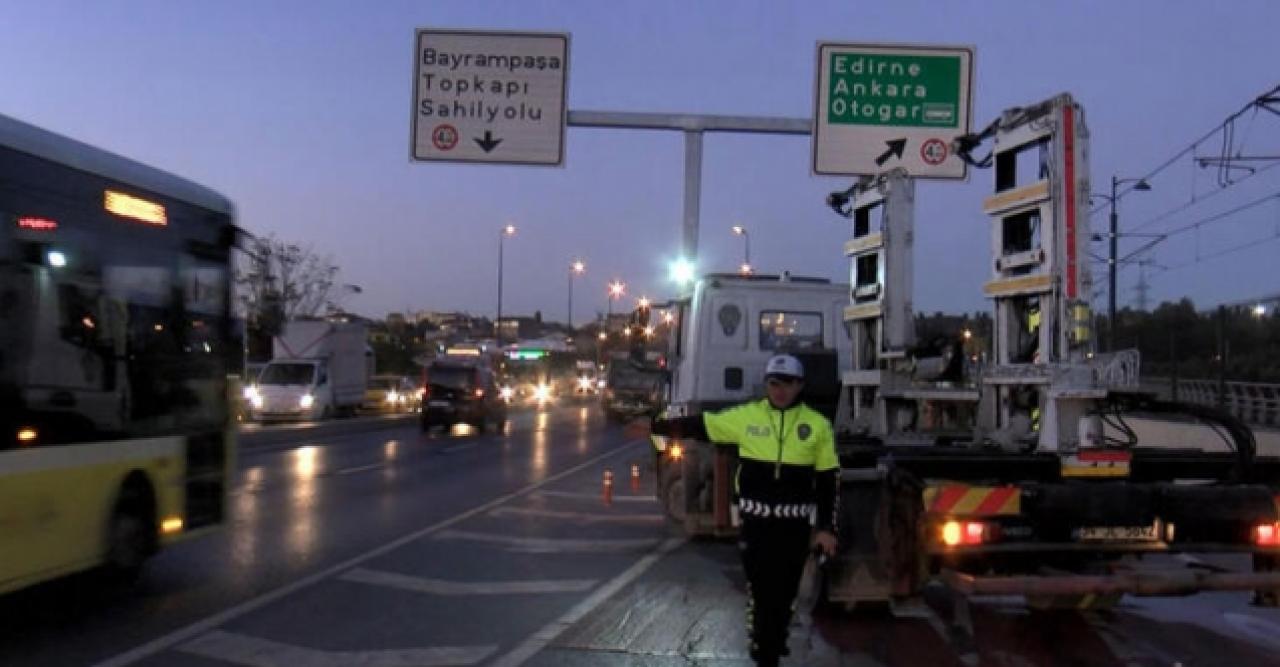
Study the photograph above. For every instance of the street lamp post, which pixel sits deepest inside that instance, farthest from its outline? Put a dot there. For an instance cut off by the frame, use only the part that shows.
(575, 269)
(1113, 261)
(739, 230)
(506, 231)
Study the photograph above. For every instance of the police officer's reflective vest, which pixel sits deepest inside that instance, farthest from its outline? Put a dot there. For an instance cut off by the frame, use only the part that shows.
(780, 451)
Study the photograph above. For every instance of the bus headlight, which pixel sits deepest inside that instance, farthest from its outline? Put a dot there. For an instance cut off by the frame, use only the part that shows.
(506, 393)
(542, 393)
(307, 401)
(256, 401)
(584, 383)
(250, 392)
(392, 397)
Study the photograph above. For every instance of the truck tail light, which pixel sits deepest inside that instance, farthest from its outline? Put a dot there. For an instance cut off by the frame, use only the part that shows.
(1267, 534)
(966, 533)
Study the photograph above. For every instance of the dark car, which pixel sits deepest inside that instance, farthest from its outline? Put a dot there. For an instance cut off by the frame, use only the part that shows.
(461, 390)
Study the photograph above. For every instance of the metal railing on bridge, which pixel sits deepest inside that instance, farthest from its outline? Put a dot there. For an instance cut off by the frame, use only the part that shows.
(1255, 402)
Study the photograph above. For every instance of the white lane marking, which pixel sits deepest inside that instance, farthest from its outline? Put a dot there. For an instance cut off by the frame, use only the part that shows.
(547, 634)
(352, 471)
(596, 496)
(458, 448)
(211, 622)
(585, 517)
(245, 650)
(1189, 559)
(547, 544)
(1256, 628)
(442, 587)
(1124, 645)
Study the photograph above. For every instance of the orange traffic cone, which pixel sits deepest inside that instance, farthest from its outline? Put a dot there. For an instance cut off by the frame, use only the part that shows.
(635, 478)
(608, 487)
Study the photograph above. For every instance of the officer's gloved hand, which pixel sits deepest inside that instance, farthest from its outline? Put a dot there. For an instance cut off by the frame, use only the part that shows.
(824, 542)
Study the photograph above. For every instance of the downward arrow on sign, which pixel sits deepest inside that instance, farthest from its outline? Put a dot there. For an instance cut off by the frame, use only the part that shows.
(488, 143)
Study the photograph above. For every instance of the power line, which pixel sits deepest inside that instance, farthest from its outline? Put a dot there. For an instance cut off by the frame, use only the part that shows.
(1226, 127)
(1228, 251)
(1197, 224)
(1197, 201)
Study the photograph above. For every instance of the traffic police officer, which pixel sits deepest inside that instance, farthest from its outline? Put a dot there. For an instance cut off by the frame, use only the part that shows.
(788, 474)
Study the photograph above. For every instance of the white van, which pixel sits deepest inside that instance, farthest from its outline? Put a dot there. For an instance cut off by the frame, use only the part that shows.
(318, 369)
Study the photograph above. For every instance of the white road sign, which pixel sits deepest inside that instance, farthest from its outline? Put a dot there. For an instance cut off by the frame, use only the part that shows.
(495, 97)
(881, 106)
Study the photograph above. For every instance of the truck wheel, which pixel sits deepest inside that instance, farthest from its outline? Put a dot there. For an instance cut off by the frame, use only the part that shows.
(1266, 564)
(675, 503)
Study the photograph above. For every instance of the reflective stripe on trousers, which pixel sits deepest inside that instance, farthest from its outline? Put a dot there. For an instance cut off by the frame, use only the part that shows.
(747, 507)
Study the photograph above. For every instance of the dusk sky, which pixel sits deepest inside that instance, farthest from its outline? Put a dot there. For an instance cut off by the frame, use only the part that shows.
(299, 112)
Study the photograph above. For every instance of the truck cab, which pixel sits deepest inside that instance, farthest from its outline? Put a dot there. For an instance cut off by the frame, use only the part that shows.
(731, 324)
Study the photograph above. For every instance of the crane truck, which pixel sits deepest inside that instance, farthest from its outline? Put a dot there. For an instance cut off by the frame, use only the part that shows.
(1017, 476)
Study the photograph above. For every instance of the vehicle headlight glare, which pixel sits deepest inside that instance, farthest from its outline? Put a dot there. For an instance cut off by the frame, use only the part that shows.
(307, 401)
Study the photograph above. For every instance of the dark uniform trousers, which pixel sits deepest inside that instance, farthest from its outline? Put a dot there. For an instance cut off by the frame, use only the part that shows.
(774, 551)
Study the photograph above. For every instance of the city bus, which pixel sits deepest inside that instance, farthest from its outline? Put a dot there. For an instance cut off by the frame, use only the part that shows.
(116, 338)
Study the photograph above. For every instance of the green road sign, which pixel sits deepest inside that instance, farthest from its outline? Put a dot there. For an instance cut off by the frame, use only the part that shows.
(884, 106)
(912, 91)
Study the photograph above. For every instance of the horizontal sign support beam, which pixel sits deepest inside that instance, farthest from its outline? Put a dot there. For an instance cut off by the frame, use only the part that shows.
(691, 122)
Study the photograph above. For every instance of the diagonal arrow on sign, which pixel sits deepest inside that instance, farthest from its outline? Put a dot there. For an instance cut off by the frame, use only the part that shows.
(488, 143)
(896, 146)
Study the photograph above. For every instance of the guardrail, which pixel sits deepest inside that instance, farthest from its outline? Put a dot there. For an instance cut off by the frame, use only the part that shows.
(1118, 369)
(1255, 402)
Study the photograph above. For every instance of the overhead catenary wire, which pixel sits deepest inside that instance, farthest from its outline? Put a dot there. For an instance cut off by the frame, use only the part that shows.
(1196, 201)
(1225, 127)
(1193, 226)
(1248, 245)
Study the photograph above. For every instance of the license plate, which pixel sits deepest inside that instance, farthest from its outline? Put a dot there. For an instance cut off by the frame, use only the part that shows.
(1119, 534)
(438, 404)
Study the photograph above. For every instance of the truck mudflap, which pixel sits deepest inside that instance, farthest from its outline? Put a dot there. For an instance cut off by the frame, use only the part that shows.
(1142, 584)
